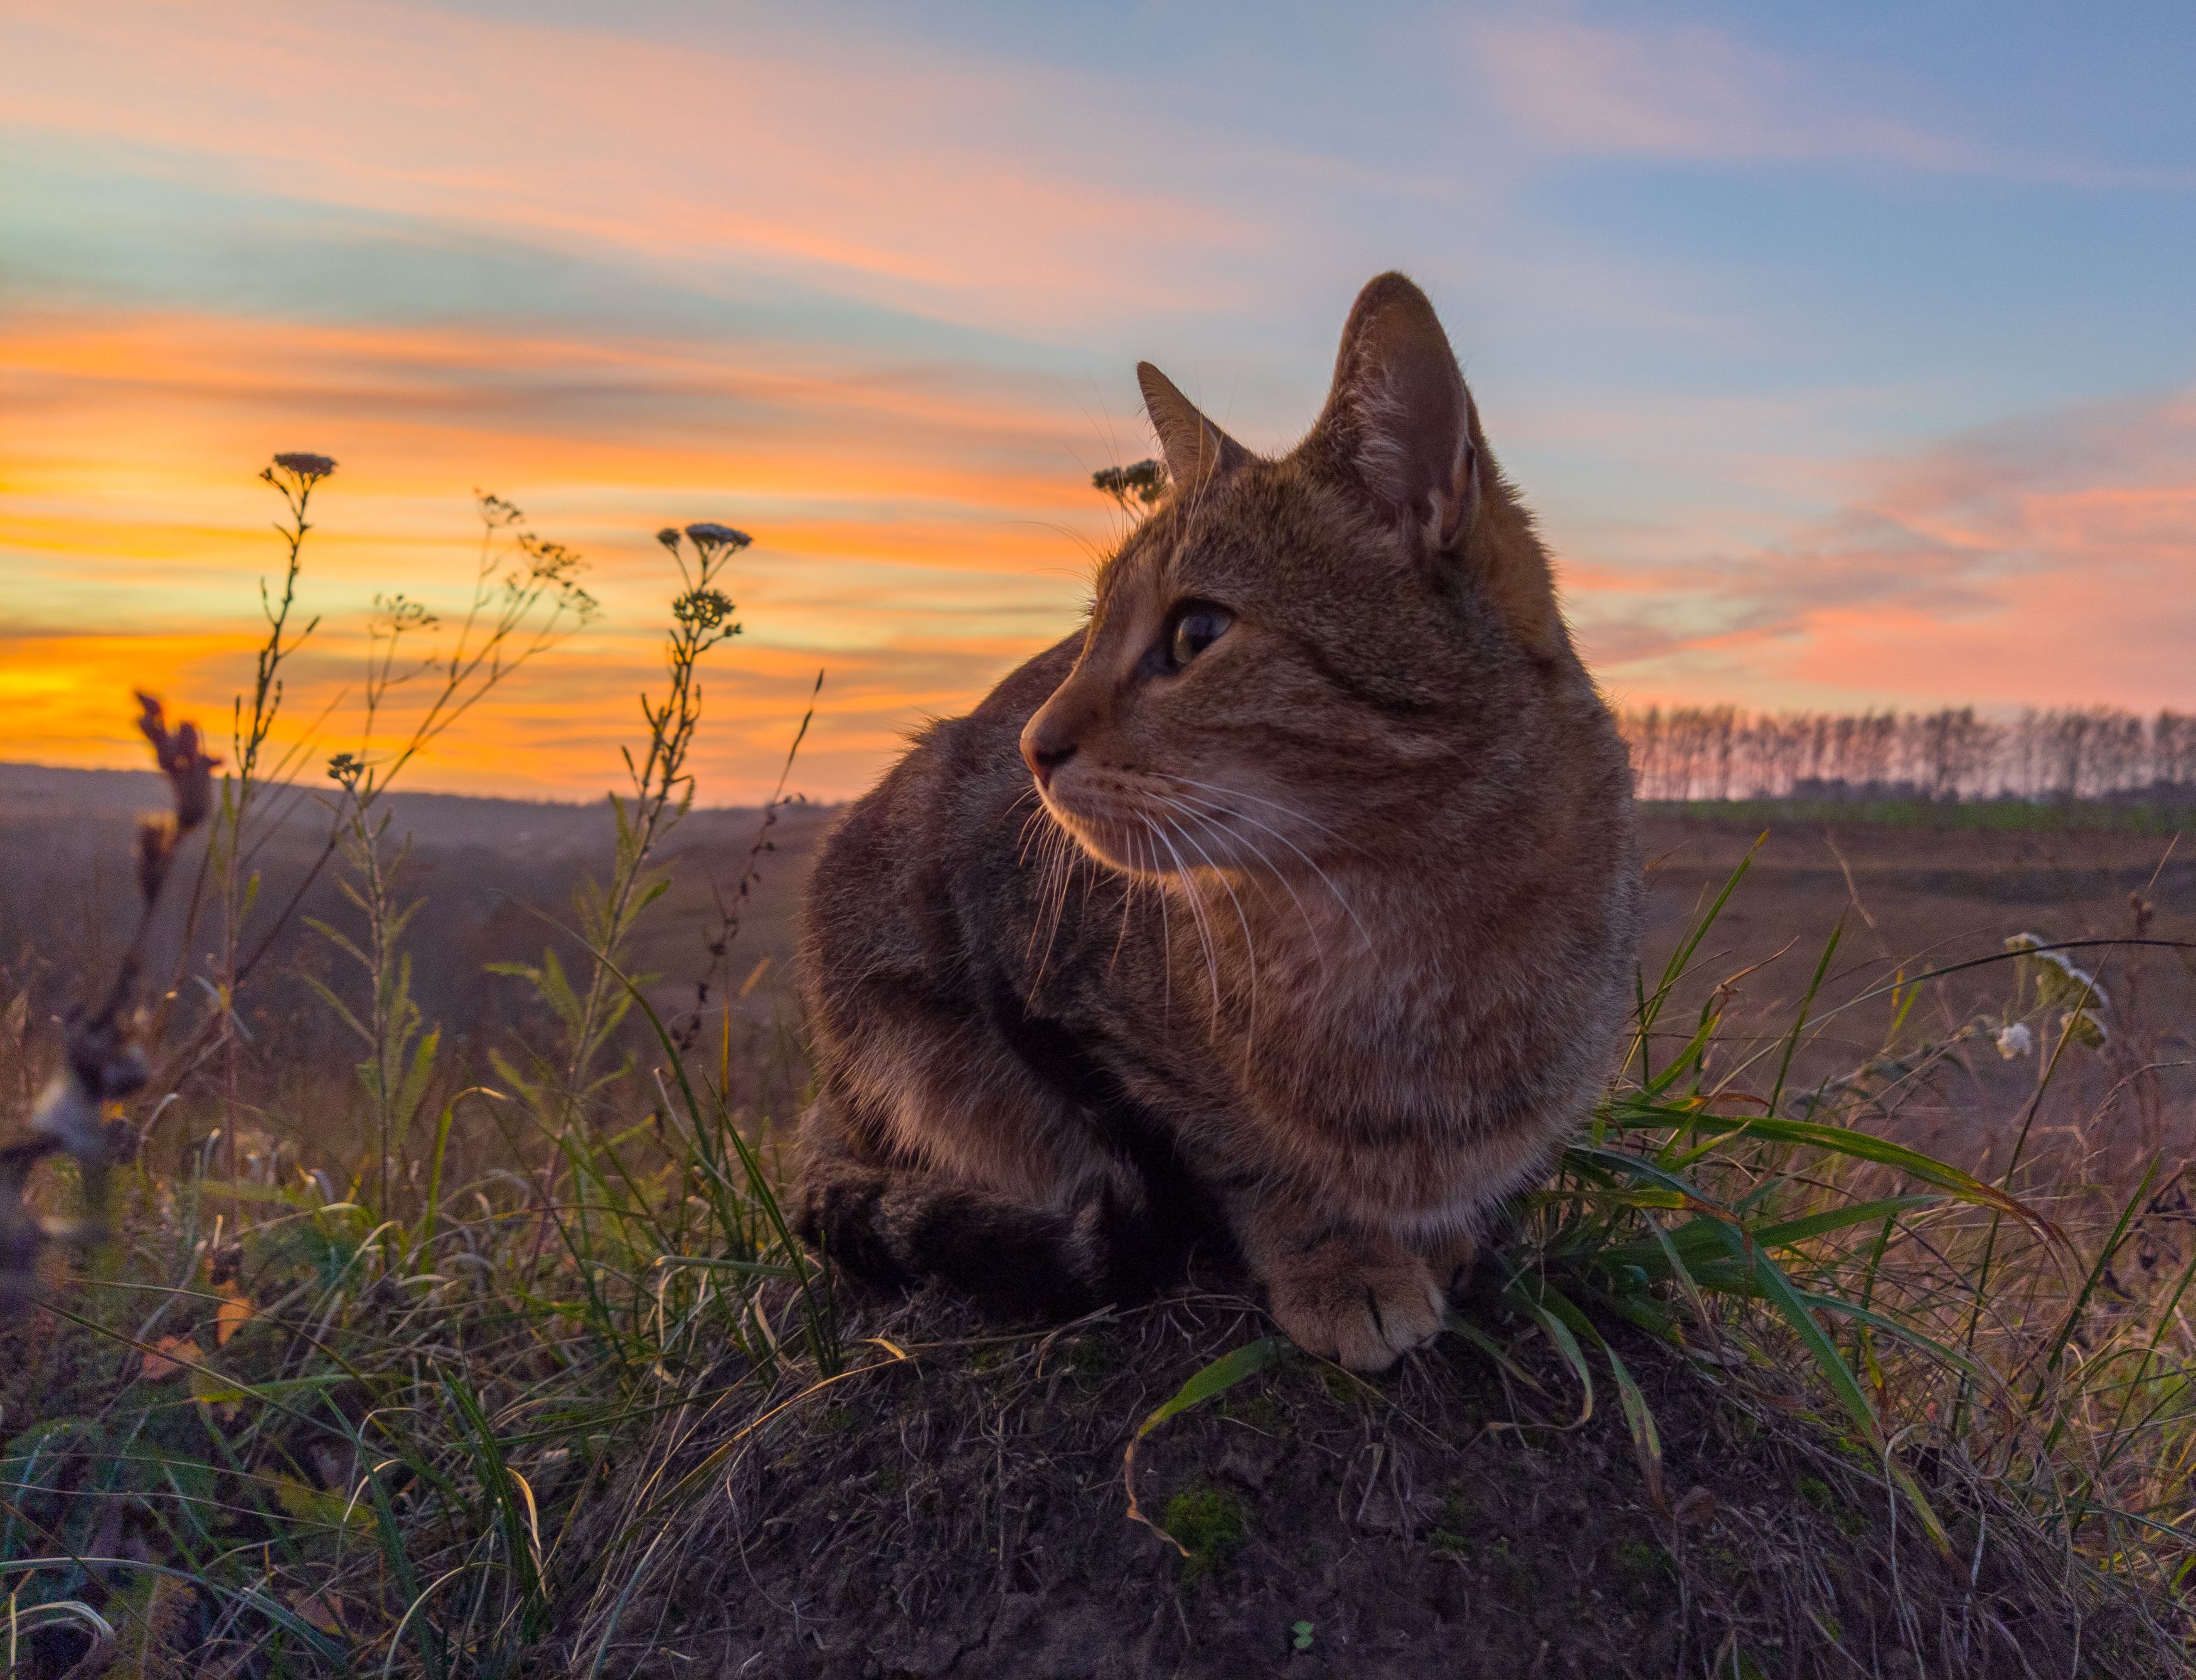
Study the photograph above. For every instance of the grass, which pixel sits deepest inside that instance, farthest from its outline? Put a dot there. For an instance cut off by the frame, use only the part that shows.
(360, 1411)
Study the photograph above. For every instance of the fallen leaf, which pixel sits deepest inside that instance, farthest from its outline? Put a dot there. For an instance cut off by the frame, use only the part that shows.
(234, 1312)
(216, 1395)
(309, 1503)
(1697, 1507)
(318, 1610)
(160, 1367)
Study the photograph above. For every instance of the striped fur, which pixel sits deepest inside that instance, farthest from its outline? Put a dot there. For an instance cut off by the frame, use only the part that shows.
(1310, 950)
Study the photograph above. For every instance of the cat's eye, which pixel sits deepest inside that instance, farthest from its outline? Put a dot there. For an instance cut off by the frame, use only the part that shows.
(1194, 626)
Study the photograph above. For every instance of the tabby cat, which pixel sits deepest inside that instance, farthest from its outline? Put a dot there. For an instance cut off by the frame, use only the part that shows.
(1287, 910)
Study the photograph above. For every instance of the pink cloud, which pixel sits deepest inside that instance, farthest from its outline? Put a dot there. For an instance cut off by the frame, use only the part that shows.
(2050, 560)
(795, 159)
(1696, 93)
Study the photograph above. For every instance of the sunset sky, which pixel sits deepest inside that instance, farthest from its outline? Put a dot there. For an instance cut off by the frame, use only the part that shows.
(1849, 354)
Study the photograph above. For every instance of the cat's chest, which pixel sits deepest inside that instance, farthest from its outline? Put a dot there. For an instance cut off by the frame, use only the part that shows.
(1383, 995)
(1393, 1006)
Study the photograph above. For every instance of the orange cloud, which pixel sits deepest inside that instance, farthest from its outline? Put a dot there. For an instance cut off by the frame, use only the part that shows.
(920, 529)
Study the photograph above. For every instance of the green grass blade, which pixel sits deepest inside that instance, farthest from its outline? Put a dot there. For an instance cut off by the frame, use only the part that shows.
(1222, 1374)
(1548, 1309)
(1800, 1016)
(273, 1610)
(1639, 1419)
(1682, 957)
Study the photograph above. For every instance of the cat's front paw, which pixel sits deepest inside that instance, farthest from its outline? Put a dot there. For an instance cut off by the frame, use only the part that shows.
(1350, 1300)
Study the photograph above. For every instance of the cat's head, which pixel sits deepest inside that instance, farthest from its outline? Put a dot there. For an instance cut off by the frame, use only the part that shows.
(1292, 653)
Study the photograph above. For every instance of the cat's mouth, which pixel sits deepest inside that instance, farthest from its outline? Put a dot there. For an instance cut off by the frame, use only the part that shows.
(1103, 814)
(1115, 837)
(1149, 831)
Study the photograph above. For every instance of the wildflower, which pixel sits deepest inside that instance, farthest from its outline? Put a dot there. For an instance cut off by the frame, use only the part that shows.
(703, 609)
(2058, 981)
(394, 614)
(2014, 1040)
(68, 1114)
(101, 1066)
(345, 769)
(305, 464)
(549, 562)
(2061, 986)
(1144, 482)
(669, 536)
(708, 535)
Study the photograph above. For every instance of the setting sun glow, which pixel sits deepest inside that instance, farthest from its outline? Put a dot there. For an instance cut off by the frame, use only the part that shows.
(1832, 386)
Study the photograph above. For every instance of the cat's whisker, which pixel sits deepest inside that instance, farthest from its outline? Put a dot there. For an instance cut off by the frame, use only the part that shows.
(1197, 913)
(1250, 944)
(1166, 933)
(1131, 878)
(1059, 869)
(1340, 898)
(1266, 868)
(1294, 813)
(1071, 856)
(1040, 815)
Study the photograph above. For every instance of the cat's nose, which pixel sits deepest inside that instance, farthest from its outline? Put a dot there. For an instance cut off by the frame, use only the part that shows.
(1043, 752)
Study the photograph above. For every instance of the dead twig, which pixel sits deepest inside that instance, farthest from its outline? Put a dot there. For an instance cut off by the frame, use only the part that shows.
(102, 1062)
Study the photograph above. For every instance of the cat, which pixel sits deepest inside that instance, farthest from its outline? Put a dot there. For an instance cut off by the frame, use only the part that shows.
(1286, 910)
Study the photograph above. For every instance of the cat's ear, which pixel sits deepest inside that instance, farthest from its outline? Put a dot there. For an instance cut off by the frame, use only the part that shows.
(1195, 450)
(1401, 422)
(1399, 414)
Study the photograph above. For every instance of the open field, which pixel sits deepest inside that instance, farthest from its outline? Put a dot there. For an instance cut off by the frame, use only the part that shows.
(1905, 899)
(541, 1387)
(1908, 900)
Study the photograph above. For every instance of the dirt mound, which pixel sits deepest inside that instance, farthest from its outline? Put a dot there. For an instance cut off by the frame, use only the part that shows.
(954, 1505)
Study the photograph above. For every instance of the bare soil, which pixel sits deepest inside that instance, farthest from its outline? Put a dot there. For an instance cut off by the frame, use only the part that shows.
(960, 1512)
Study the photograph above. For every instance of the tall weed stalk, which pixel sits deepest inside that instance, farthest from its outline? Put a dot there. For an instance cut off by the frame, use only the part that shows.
(526, 598)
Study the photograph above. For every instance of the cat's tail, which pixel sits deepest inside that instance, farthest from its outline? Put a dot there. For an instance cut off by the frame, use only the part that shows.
(895, 1227)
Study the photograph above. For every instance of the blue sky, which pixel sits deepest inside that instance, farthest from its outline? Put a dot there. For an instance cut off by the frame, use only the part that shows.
(1847, 353)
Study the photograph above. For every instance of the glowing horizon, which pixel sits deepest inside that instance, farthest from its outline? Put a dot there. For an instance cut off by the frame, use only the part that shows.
(1832, 388)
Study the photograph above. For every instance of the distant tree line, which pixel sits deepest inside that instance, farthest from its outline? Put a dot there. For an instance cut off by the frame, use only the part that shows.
(2084, 752)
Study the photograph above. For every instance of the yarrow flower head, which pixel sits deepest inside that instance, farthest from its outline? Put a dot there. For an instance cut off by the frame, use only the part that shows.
(2015, 1041)
(2058, 981)
(304, 463)
(394, 614)
(1144, 482)
(703, 609)
(669, 536)
(708, 536)
(2061, 986)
